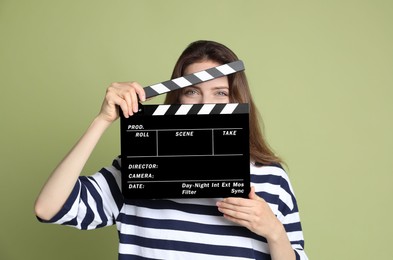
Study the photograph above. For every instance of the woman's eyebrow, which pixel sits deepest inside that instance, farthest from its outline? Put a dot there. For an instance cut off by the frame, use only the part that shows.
(220, 87)
(192, 86)
(212, 88)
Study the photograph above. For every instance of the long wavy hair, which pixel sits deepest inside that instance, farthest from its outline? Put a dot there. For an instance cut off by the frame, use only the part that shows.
(239, 92)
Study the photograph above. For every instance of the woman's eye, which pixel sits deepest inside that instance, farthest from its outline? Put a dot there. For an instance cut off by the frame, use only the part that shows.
(189, 92)
(222, 93)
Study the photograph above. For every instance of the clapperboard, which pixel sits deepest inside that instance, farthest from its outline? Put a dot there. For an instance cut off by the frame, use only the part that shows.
(186, 151)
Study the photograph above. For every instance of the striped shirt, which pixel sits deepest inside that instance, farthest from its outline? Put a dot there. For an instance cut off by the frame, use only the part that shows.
(179, 228)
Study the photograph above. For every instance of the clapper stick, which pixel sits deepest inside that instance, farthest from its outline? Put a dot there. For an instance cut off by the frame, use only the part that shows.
(194, 78)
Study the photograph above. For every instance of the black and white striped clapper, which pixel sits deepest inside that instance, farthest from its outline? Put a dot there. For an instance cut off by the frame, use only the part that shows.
(194, 109)
(186, 151)
(194, 78)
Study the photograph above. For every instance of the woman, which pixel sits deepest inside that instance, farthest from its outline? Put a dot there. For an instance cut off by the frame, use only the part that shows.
(264, 226)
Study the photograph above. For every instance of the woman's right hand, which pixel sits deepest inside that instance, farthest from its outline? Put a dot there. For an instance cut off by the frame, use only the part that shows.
(124, 95)
(62, 180)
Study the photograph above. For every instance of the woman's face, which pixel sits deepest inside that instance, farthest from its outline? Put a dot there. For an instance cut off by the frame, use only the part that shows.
(212, 91)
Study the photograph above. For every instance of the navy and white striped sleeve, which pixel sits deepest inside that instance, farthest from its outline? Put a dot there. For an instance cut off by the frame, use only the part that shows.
(273, 185)
(94, 202)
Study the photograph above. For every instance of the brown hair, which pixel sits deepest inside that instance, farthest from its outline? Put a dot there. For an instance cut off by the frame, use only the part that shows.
(239, 92)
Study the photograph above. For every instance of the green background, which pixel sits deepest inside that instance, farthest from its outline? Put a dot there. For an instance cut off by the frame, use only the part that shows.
(321, 73)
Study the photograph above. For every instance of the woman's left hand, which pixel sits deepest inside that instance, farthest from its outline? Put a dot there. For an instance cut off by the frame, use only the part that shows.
(253, 213)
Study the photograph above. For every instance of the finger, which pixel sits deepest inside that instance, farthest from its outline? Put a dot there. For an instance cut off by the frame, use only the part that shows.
(229, 207)
(234, 214)
(140, 91)
(128, 100)
(242, 222)
(114, 99)
(129, 92)
(136, 93)
(253, 196)
(134, 100)
(124, 107)
(238, 202)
